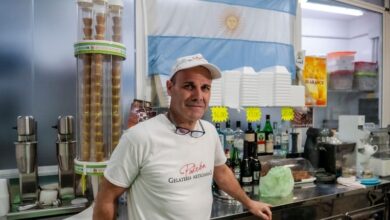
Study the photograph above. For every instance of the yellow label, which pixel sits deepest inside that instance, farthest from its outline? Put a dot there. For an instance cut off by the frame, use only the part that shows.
(315, 80)
(287, 113)
(219, 114)
(253, 114)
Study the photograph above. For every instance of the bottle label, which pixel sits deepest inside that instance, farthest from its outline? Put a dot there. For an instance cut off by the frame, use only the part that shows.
(260, 136)
(256, 175)
(247, 189)
(237, 173)
(247, 179)
(250, 137)
(229, 139)
(261, 148)
(269, 147)
(278, 139)
(270, 137)
(239, 144)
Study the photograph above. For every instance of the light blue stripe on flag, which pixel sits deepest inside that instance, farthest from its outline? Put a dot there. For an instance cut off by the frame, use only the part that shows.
(288, 6)
(227, 54)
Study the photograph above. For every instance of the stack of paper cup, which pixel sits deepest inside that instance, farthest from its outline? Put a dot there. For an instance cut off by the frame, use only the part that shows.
(4, 197)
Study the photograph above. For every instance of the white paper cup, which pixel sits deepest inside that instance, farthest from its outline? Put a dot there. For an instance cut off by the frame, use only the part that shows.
(4, 197)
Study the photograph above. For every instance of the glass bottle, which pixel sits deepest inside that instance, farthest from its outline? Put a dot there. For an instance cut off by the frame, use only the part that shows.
(220, 134)
(239, 136)
(269, 143)
(228, 137)
(260, 138)
(284, 141)
(277, 139)
(246, 169)
(256, 167)
(237, 165)
(250, 139)
(228, 162)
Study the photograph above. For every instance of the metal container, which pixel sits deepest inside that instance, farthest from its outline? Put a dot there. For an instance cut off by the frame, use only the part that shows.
(66, 155)
(65, 125)
(25, 125)
(66, 145)
(26, 157)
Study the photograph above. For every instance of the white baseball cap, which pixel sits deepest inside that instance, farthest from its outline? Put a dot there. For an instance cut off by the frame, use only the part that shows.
(193, 61)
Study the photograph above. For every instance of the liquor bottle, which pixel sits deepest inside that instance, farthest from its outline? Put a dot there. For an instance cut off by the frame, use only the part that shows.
(237, 165)
(246, 169)
(256, 167)
(260, 137)
(229, 162)
(277, 139)
(269, 142)
(250, 140)
(228, 137)
(239, 139)
(285, 141)
(220, 134)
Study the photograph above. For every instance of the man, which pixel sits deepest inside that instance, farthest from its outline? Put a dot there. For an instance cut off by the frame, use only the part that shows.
(167, 163)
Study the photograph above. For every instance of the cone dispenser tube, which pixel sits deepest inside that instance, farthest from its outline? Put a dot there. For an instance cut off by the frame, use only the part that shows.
(99, 62)
(115, 21)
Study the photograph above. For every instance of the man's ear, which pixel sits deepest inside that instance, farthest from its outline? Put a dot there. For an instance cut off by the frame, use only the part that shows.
(169, 86)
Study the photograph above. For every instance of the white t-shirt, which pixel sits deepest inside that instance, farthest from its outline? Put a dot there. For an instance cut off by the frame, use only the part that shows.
(169, 176)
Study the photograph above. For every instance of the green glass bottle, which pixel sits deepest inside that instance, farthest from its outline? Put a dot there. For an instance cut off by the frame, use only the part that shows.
(269, 138)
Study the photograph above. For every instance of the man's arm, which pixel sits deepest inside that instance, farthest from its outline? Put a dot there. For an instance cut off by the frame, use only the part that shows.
(106, 201)
(226, 181)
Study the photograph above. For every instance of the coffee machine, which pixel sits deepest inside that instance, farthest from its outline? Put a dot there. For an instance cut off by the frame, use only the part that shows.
(66, 149)
(380, 162)
(26, 158)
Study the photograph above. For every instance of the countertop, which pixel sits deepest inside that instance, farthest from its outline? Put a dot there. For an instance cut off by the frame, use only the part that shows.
(302, 192)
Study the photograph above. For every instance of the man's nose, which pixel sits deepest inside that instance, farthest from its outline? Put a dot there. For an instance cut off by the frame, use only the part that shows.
(198, 94)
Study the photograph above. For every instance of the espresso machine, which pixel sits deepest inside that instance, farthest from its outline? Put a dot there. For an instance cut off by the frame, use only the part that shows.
(66, 147)
(26, 158)
(380, 162)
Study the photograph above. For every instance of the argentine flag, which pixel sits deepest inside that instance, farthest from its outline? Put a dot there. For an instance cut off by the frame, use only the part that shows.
(229, 33)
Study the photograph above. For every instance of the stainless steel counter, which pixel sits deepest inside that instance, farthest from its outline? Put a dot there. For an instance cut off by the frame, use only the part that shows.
(302, 194)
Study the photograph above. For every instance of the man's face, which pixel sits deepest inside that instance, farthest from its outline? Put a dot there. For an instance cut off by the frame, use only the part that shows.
(190, 94)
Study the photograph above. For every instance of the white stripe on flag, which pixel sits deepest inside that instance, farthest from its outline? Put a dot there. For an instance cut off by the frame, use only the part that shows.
(193, 18)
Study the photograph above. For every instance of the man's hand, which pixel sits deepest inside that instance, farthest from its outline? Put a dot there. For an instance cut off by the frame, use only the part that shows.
(226, 181)
(260, 209)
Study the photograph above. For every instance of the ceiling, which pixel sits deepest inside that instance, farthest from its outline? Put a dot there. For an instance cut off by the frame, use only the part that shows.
(306, 13)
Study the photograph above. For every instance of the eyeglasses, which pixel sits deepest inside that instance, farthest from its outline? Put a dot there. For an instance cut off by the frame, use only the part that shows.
(194, 133)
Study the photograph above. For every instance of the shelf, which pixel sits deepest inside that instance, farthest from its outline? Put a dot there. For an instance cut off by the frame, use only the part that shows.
(348, 91)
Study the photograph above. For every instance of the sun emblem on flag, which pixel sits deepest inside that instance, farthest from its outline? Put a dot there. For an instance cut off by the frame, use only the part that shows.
(231, 21)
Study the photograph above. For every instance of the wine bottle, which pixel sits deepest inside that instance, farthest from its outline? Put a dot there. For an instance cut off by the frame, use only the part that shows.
(250, 139)
(256, 167)
(269, 142)
(246, 169)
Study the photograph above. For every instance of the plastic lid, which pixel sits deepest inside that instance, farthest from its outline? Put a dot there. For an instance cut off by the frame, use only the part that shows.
(341, 54)
(84, 3)
(100, 1)
(118, 3)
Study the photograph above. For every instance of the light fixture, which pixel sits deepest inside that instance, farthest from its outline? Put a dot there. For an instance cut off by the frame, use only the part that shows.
(331, 9)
